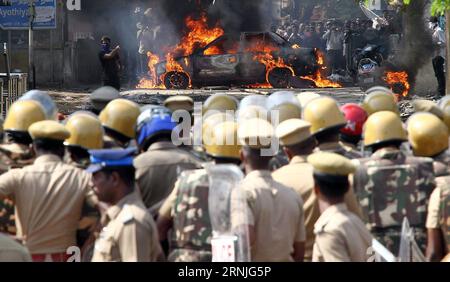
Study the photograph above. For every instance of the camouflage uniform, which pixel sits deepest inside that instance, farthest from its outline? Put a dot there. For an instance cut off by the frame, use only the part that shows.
(11, 156)
(391, 186)
(441, 165)
(444, 211)
(340, 149)
(191, 233)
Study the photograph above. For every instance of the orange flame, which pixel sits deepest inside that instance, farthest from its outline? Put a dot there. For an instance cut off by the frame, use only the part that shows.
(321, 82)
(264, 56)
(199, 35)
(393, 78)
(296, 46)
(317, 78)
(145, 82)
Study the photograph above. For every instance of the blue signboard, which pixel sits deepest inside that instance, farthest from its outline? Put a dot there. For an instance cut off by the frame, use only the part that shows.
(16, 16)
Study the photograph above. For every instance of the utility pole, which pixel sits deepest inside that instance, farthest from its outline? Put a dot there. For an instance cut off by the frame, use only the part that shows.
(31, 67)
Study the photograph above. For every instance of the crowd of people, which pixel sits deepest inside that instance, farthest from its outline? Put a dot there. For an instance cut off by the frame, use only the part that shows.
(340, 39)
(114, 182)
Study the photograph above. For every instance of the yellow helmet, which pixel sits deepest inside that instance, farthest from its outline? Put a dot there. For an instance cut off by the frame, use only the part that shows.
(383, 126)
(224, 142)
(22, 114)
(287, 105)
(427, 134)
(378, 101)
(445, 107)
(379, 89)
(121, 116)
(85, 131)
(221, 103)
(323, 113)
(305, 97)
(427, 106)
(254, 111)
(210, 122)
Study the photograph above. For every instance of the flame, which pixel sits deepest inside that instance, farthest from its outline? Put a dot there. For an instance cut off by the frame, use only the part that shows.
(393, 78)
(214, 50)
(320, 58)
(321, 82)
(199, 35)
(317, 78)
(296, 46)
(145, 82)
(264, 56)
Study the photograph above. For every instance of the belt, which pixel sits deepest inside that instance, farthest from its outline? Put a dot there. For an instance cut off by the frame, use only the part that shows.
(58, 257)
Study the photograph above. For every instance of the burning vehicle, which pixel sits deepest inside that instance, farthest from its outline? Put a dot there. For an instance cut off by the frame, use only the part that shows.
(208, 57)
(250, 58)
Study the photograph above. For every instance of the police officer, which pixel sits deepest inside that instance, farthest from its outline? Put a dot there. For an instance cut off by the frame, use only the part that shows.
(271, 205)
(305, 97)
(119, 120)
(428, 107)
(391, 185)
(129, 233)
(160, 162)
(101, 97)
(16, 153)
(192, 232)
(47, 103)
(429, 137)
(326, 122)
(11, 251)
(48, 194)
(340, 235)
(380, 100)
(219, 103)
(179, 102)
(281, 106)
(351, 134)
(298, 144)
(86, 133)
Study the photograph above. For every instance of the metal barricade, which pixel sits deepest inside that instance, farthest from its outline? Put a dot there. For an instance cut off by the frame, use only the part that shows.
(12, 89)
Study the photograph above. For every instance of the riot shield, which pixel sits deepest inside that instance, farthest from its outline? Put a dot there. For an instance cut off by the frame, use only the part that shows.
(409, 250)
(381, 253)
(227, 204)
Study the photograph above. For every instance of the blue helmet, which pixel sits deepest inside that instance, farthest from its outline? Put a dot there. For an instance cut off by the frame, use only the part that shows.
(156, 124)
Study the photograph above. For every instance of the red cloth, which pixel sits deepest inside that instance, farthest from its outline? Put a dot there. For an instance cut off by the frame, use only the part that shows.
(60, 257)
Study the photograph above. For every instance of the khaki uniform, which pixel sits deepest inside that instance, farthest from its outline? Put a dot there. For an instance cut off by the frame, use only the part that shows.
(439, 209)
(11, 156)
(299, 176)
(339, 148)
(341, 237)
(157, 171)
(276, 212)
(129, 234)
(49, 196)
(11, 251)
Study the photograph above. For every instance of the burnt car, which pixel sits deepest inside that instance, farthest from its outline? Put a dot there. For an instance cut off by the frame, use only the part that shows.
(248, 58)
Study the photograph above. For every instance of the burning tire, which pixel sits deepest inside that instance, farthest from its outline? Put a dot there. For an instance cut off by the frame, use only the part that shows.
(176, 80)
(280, 77)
